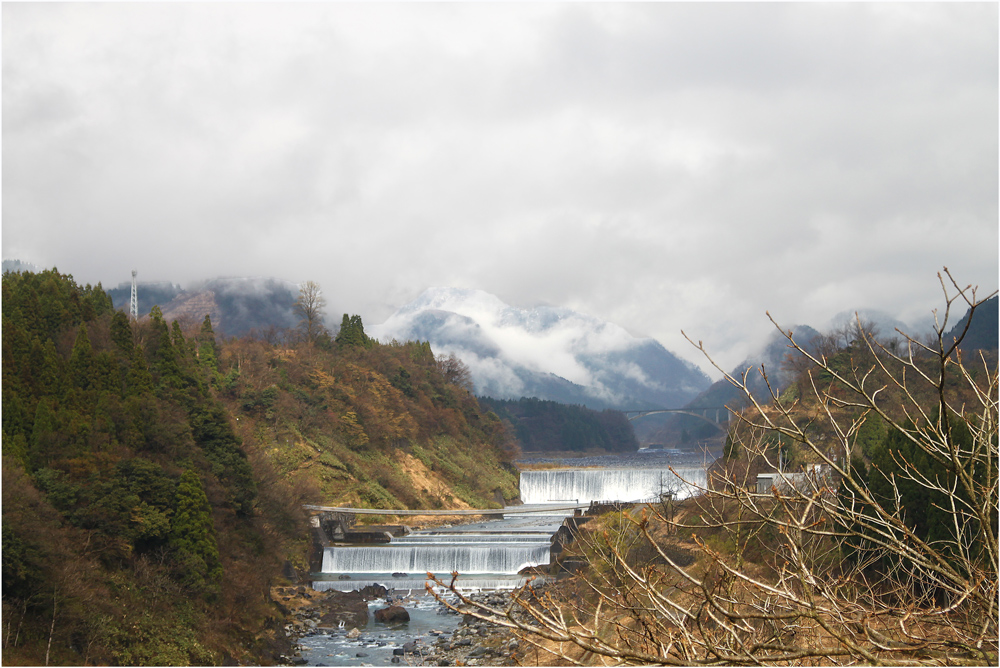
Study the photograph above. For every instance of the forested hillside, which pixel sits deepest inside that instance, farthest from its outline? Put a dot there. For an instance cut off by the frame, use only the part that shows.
(129, 527)
(358, 423)
(860, 351)
(153, 478)
(546, 426)
(237, 305)
(982, 332)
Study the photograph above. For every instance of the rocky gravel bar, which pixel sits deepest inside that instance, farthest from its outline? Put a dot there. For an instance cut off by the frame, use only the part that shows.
(461, 641)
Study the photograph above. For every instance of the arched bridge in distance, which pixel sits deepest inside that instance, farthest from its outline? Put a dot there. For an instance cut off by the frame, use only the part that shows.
(714, 415)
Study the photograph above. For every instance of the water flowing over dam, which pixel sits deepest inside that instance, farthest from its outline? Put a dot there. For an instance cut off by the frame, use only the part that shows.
(468, 558)
(491, 554)
(608, 484)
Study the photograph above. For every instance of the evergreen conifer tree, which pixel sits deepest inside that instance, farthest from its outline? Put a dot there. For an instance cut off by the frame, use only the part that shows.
(192, 535)
(43, 435)
(81, 361)
(121, 333)
(208, 349)
(177, 338)
(107, 374)
(164, 354)
(46, 371)
(16, 418)
(138, 380)
(352, 333)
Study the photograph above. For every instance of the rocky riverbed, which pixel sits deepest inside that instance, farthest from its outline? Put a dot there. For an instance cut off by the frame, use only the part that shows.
(327, 629)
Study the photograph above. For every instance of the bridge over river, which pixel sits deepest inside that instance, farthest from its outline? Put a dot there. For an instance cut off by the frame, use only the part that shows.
(714, 415)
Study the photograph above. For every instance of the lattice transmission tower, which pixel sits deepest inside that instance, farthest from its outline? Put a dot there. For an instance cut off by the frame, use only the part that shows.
(133, 305)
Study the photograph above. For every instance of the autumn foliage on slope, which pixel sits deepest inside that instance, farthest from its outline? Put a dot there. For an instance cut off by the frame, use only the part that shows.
(131, 533)
(369, 425)
(153, 478)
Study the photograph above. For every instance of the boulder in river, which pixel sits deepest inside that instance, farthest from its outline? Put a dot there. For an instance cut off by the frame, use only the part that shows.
(392, 614)
(373, 591)
(343, 608)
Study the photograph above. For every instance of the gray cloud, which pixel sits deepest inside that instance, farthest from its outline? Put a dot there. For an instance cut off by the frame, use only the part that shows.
(657, 165)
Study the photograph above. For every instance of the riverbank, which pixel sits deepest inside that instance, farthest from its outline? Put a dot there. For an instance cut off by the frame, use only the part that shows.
(638, 459)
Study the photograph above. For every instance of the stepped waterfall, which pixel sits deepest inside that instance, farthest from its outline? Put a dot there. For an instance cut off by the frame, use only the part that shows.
(490, 551)
(492, 548)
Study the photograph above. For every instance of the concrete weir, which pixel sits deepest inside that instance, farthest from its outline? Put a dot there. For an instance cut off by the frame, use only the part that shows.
(529, 536)
(501, 547)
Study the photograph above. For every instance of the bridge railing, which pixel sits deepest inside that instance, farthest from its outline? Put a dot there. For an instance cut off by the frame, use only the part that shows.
(510, 510)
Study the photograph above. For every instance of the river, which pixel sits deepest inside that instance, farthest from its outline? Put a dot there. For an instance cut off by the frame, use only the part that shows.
(489, 555)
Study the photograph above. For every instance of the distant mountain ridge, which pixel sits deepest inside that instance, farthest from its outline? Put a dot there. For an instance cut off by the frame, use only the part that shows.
(885, 325)
(15, 265)
(546, 352)
(148, 295)
(236, 305)
(675, 429)
(983, 332)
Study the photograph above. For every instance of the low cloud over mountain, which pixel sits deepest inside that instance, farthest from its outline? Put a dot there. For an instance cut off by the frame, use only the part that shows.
(236, 305)
(546, 352)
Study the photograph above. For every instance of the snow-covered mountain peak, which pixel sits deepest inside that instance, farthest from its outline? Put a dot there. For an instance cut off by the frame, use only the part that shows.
(549, 352)
(491, 312)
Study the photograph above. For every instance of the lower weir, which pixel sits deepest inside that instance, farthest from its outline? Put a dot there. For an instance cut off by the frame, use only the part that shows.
(436, 558)
(488, 555)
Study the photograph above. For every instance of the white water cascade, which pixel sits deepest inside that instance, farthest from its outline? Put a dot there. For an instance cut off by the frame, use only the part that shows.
(440, 558)
(490, 554)
(608, 484)
(485, 551)
(459, 538)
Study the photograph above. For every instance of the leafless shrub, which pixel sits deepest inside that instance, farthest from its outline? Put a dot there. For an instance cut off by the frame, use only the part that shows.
(844, 573)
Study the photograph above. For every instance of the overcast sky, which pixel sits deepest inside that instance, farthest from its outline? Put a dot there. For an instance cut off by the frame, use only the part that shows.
(661, 166)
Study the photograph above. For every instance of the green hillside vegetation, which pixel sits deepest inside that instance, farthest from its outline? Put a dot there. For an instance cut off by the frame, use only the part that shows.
(854, 358)
(129, 527)
(368, 425)
(882, 458)
(153, 478)
(549, 426)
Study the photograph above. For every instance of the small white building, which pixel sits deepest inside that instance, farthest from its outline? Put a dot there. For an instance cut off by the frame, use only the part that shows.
(786, 482)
